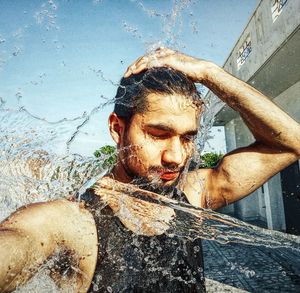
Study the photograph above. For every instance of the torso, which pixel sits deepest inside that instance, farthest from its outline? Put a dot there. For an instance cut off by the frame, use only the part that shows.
(134, 263)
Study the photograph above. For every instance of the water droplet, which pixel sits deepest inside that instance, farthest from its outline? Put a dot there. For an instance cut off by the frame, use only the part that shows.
(196, 248)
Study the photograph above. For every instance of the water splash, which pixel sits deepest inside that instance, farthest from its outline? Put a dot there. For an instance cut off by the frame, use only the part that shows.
(36, 164)
(132, 30)
(188, 222)
(173, 23)
(34, 159)
(46, 16)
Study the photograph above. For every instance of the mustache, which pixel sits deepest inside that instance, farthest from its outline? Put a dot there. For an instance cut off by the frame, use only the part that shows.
(166, 169)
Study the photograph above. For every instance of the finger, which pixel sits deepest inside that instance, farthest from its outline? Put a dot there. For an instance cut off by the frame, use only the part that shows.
(159, 48)
(135, 67)
(164, 50)
(135, 70)
(142, 60)
(157, 58)
(138, 60)
(147, 63)
(128, 72)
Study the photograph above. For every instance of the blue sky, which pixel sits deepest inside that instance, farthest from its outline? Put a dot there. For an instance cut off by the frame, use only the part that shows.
(58, 58)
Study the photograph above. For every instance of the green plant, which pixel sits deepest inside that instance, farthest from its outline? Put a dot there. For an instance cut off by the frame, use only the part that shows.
(210, 160)
(107, 155)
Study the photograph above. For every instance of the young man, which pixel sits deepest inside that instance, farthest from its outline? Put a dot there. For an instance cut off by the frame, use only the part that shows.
(119, 243)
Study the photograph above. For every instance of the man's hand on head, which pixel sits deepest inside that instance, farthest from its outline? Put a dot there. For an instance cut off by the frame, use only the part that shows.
(192, 67)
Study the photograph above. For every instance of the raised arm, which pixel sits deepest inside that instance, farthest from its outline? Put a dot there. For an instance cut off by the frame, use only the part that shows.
(33, 234)
(242, 171)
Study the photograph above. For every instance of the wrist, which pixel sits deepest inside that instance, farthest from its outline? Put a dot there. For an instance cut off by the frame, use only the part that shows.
(206, 69)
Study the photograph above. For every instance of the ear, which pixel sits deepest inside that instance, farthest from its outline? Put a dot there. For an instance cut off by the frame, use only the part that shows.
(116, 127)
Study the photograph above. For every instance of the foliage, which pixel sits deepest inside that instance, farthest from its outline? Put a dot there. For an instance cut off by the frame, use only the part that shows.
(107, 155)
(210, 160)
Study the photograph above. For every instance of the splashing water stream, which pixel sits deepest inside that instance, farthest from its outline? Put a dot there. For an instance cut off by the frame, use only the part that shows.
(31, 172)
(36, 164)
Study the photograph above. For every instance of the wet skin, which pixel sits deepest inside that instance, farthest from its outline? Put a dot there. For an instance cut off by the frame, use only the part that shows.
(156, 146)
(157, 143)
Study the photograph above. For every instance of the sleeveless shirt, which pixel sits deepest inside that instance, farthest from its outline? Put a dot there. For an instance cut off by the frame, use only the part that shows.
(128, 262)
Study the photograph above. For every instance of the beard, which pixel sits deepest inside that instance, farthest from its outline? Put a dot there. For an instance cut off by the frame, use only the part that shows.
(155, 185)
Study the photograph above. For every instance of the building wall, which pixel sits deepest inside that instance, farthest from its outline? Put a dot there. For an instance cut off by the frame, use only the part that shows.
(273, 67)
(266, 36)
(273, 64)
(289, 100)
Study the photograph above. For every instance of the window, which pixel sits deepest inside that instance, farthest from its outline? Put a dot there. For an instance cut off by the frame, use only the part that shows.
(244, 52)
(277, 7)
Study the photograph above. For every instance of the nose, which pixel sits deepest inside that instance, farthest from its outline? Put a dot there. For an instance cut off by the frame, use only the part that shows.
(173, 153)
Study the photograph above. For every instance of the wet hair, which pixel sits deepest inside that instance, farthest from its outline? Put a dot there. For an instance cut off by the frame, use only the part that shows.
(132, 92)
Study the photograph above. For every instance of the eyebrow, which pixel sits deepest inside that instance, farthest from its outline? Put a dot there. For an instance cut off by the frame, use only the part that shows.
(167, 128)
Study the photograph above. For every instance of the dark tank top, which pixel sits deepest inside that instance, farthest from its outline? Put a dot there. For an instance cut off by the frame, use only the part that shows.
(128, 262)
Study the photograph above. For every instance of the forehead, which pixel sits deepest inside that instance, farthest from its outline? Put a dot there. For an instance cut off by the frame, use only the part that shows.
(177, 111)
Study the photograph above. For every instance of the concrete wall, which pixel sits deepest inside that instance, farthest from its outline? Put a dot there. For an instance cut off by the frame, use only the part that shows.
(266, 36)
(275, 214)
(289, 100)
(273, 67)
(274, 62)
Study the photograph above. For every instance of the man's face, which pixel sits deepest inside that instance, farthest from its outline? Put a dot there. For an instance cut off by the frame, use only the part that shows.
(157, 144)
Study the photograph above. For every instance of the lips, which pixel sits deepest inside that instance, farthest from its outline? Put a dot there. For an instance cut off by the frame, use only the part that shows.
(169, 175)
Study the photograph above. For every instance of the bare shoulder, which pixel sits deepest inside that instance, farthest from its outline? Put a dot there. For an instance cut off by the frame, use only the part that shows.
(52, 226)
(51, 211)
(58, 223)
(197, 185)
(53, 222)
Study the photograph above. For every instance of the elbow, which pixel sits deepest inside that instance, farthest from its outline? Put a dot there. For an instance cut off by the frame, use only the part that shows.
(297, 152)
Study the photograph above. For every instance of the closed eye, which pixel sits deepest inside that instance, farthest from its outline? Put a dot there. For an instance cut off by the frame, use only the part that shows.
(159, 135)
(160, 131)
(188, 138)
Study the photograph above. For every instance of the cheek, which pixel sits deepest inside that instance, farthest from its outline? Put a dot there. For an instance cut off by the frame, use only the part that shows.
(150, 152)
(146, 154)
(143, 144)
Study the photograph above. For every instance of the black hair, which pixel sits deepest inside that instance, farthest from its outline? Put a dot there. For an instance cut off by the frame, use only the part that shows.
(132, 92)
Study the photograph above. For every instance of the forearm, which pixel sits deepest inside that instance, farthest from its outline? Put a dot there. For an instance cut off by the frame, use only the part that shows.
(267, 122)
